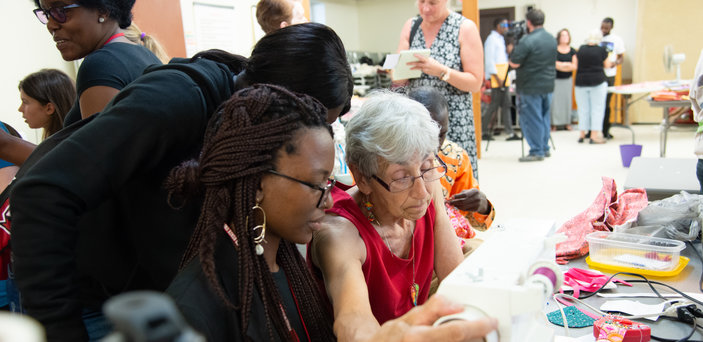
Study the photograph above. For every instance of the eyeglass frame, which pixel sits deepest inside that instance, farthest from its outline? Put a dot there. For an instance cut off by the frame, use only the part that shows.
(325, 190)
(47, 13)
(387, 186)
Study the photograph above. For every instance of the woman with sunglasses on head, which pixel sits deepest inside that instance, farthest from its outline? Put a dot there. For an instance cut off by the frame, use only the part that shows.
(90, 216)
(94, 30)
(384, 238)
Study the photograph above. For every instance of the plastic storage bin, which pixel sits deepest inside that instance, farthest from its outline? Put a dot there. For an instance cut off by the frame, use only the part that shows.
(634, 251)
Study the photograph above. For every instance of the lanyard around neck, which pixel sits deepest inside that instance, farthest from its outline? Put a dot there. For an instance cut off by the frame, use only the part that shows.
(113, 37)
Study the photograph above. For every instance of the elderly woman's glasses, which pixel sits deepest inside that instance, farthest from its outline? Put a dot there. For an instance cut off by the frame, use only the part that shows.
(57, 13)
(325, 190)
(398, 185)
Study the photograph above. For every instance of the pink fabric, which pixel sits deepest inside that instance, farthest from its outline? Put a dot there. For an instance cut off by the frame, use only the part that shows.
(585, 280)
(608, 210)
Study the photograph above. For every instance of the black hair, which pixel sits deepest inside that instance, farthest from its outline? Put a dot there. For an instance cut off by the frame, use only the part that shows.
(119, 10)
(431, 98)
(536, 17)
(610, 21)
(306, 58)
(497, 21)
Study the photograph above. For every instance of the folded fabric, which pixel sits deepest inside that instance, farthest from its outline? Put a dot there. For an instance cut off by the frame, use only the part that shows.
(586, 280)
(606, 211)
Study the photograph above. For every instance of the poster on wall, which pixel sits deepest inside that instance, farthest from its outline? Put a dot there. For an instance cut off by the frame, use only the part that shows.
(228, 25)
(214, 27)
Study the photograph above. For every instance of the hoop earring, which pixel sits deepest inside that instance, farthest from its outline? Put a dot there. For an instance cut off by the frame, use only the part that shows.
(101, 20)
(259, 249)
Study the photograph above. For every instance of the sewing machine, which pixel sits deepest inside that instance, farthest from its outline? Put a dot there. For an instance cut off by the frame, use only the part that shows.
(509, 277)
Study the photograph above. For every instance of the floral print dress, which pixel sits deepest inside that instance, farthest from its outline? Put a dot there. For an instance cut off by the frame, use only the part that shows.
(445, 49)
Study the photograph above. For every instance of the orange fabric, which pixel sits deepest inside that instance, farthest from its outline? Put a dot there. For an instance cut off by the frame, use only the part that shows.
(459, 177)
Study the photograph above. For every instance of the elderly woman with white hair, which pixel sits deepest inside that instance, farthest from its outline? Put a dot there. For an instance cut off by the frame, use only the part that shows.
(383, 238)
(591, 87)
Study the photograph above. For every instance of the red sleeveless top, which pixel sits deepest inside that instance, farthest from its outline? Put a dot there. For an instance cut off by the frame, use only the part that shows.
(389, 278)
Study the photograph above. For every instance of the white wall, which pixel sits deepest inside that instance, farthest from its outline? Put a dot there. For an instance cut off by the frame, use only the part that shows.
(381, 22)
(28, 48)
(343, 17)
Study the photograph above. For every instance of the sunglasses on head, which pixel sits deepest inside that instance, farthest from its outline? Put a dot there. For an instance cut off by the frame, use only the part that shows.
(57, 13)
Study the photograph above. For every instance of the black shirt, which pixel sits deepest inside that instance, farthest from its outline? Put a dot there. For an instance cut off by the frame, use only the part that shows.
(565, 57)
(590, 69)
(114, 65)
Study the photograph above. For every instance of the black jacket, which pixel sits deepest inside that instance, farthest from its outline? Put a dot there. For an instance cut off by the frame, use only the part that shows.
(90, 218)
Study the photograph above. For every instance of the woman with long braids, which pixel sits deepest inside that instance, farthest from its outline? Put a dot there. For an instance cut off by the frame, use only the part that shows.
(264, 172)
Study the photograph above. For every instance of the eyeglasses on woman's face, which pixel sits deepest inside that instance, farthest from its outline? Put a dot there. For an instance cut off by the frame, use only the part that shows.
(57, 13)
(324, 189)
(437, 171)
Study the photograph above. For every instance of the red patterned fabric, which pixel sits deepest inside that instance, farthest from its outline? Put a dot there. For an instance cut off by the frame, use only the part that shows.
(461, 225)
(608, 210)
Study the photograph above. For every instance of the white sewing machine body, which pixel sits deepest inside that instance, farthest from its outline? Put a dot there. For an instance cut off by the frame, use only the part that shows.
(509, 277)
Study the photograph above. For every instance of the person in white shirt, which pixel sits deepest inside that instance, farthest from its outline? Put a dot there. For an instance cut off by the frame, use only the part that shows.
(495, 53)
(616, 54)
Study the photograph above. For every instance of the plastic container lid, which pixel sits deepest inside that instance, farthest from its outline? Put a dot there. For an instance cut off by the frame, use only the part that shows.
(636, 241)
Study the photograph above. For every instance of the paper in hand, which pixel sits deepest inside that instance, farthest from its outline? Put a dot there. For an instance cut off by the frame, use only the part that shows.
(398, 63)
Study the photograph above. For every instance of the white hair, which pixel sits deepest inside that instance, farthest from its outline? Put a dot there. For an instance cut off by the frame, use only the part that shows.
(390, 126)
(594, 37)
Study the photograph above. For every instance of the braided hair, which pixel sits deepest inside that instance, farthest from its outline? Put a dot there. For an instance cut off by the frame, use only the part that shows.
(241, 144)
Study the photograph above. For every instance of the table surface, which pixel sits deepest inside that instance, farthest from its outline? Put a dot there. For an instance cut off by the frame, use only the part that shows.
(663, 175)
(649, 86)
(686, 281)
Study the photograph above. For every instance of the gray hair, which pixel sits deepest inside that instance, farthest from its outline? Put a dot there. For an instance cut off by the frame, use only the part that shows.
(594, 37)
(389, 126)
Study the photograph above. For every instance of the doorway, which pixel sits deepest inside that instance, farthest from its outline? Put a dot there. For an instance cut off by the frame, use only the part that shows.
(487, 16)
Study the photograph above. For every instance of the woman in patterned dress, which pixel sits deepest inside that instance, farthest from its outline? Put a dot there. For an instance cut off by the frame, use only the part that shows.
(455, 65)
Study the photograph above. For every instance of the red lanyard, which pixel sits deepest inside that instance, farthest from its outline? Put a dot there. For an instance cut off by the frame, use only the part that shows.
(294, 335)
(113, 37)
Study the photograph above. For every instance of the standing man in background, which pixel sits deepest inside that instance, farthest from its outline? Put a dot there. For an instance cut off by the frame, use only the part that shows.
(534, 58)
(616, 54)
(495, 53)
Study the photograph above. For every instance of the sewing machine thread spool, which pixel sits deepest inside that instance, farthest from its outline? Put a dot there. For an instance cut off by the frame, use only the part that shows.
(547, 272)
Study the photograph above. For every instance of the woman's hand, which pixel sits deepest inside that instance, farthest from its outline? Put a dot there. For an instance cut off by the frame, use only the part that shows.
(416, 325)
(428, 65)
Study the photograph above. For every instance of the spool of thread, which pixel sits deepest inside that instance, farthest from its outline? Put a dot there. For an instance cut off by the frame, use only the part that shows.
(547, 272)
